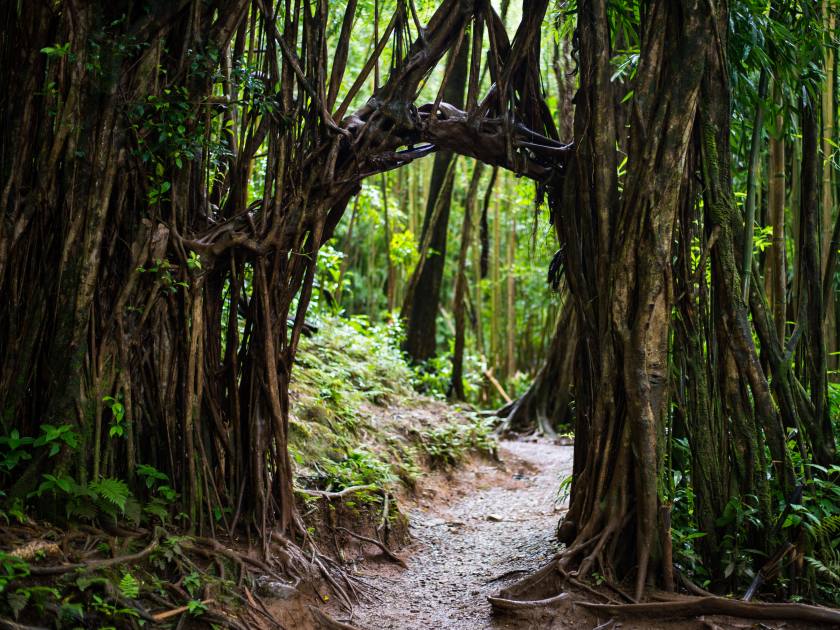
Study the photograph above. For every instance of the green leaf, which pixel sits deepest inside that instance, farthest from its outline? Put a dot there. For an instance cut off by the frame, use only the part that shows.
(152, 475)
(155, 508)
(129, 586)
(113, 490)
(17, 601)
(196, 607)
(72, 613)
(84, 582)
(192, 582)
(58, 50)
(791, 520)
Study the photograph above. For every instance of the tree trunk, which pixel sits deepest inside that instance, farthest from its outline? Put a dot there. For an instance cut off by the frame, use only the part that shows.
(391, 275)
(827, 169)
(544, 407)
(622, 384)
(777, 270)
(422, 302)
(510, 294)
(458, 307)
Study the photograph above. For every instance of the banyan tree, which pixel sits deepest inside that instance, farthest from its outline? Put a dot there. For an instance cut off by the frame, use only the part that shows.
(170, 170)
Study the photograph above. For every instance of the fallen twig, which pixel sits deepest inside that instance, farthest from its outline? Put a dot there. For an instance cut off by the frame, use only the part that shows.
(166, 614)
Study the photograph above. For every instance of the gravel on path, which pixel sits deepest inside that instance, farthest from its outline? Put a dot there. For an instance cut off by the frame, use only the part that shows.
(486, 521)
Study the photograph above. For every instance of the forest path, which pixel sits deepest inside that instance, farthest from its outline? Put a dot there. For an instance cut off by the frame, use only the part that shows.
(486, 520)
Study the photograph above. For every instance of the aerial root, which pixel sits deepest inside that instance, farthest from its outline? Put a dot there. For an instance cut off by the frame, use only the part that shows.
(94, 565)
(584, 586)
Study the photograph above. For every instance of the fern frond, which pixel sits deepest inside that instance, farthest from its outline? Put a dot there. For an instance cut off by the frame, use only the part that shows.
(112, 490)
(830, 571)
(130, 586)
(828, 527)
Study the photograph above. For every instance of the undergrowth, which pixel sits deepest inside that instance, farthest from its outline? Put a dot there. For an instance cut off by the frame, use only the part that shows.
(810, 522)
(349, 380)
(449, 445)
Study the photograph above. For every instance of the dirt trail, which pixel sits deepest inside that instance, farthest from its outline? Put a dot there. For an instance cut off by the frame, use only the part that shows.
(486, 521)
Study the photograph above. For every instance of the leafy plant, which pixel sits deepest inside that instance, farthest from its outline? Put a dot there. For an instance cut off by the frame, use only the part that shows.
(564, 490)
(104, 497)
(57, 51)
(11, 568)
(106, 608)
(164, 272)
(130, 586)
(196, 607)
(56, 436)
(194, 261)
(359, 468)
(117, 428)
(448, 445)
(37, 597)
(192, 582)
(17, 448)
(163, 495)
(14, 451)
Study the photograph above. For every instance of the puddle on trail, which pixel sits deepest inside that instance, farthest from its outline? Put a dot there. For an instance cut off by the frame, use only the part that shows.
(489, 520)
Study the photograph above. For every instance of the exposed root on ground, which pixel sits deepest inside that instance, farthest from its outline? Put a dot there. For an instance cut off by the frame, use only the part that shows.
(552, 586)
(327, 622)
(215, 577)
(390, 554)
(695, 606)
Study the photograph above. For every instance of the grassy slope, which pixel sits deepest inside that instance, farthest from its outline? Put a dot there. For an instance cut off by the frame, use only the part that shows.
(356, 418)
